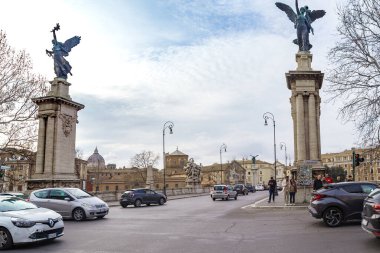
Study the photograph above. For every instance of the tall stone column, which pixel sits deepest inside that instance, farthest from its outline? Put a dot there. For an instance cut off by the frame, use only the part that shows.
(313, 132)
(55, 165)
(305, 84)
(300, 121)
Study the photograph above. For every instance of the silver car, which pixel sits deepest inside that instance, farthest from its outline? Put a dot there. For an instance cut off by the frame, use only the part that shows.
(70, 203)
(222, 191)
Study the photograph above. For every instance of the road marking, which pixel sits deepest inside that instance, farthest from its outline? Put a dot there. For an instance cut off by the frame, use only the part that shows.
(254, 204)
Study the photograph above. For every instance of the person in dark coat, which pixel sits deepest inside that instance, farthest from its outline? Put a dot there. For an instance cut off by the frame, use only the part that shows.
(318, 184)
(272, 189)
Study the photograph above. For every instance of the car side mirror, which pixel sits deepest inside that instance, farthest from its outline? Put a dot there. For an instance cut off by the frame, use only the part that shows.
(67, 199)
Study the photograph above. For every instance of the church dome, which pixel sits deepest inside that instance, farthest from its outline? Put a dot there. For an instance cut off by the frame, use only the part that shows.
(96, 160)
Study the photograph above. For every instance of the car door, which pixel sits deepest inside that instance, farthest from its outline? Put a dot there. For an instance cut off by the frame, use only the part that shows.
(40, 198)
(354, 200)
(59, 203)
(151, 196)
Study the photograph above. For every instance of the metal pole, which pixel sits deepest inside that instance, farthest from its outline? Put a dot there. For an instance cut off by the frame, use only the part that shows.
(221, 167)
(275, 158)
(353, 164)
(164, 158)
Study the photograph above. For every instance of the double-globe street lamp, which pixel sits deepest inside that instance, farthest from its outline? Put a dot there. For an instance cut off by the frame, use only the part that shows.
(170, 125)
(223, 147)
(270, 116)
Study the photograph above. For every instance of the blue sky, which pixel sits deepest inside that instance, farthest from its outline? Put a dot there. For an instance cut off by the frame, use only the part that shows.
(212, 67)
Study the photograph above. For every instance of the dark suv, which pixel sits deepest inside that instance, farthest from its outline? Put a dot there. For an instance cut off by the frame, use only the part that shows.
(336, 203)
(137, 197)
(371, 213)
(241, 189)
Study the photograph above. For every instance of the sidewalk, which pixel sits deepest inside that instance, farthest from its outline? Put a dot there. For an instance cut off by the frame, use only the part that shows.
(174, 197)
(278, 203)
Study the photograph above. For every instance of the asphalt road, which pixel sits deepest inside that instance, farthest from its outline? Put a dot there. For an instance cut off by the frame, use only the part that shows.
(202, 225)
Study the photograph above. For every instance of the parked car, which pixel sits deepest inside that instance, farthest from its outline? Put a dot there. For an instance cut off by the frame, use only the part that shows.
(223, 191)
(251, 188)
(259, 187)
(70, 203)
(339, 202)
(137, 197)
(15, 194)
(24, 222)
(241, 189)
(371, 213)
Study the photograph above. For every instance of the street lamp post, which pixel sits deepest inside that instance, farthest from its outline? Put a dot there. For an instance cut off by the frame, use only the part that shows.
(270, 116)
(170, 125)
(223, 147)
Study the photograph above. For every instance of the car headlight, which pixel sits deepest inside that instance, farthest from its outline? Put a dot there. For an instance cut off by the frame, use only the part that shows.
(87, 205)
(22, 223)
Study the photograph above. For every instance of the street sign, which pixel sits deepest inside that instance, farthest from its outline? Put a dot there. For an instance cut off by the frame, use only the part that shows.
(3, 167)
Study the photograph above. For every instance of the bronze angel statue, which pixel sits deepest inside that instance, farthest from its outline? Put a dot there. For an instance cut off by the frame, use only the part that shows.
(61, 66)
(302, 22)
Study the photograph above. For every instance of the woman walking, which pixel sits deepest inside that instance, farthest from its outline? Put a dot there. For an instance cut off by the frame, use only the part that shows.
(285, 188)
(292, 191)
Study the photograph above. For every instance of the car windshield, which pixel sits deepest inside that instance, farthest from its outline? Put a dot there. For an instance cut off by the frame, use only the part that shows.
(15, 204)
(78, 193)
(219, 187)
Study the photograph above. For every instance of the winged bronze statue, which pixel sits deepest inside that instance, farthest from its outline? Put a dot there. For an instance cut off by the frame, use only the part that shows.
(59, 51)
(302, 19)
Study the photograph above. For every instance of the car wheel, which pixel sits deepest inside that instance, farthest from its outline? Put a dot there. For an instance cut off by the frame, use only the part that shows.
(236, 197)
(124, 205)
(161, 201)
(137, 203)
(148, 204)
(79, 214)
(228, 197)
(333, 217)
(213, 199)
(6, 240)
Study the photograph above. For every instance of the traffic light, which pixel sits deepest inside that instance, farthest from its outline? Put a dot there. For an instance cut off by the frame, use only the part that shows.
(358, 159)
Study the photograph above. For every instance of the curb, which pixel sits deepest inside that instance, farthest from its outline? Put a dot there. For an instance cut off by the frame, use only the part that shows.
(257, 206)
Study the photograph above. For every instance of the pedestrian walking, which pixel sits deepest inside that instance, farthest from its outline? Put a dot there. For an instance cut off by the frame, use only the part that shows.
(317, 183)
(292, 191)
(272, 189)
(285, 188)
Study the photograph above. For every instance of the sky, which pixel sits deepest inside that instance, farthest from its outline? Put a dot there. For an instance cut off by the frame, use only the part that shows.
(212, 67)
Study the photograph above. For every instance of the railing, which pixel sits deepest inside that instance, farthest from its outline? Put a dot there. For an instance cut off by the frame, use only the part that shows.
(109, 196)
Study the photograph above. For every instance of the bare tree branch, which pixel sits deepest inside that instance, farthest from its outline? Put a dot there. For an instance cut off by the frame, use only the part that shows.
(18, 127)
(355, 78)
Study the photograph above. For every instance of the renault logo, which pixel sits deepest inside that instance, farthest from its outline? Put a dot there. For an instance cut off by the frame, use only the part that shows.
(51, 222)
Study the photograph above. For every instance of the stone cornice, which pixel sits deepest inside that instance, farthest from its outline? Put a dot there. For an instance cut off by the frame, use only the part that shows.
(304, 75)
(57, 100)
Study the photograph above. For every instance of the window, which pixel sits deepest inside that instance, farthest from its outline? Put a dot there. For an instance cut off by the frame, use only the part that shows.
(368, 188)
(107, 188)
(249, 173)
(354, 188)
(19, 188)
(116, 188)
(41, 194)
(176, 185)
(58, 194)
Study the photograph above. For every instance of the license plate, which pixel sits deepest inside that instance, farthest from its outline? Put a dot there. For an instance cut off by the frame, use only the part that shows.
(364, 222)
(53, 235)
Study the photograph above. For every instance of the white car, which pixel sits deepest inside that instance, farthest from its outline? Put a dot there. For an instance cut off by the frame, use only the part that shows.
(259, 187)
(24, 222)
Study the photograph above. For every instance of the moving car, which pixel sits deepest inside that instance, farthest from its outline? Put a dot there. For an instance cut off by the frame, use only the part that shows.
(24, 222)
(241, 189)
(339, 202)
(223, 191)
(371, 214)
(250, 188)
(137, 197)
(70, 203)
(259, 187)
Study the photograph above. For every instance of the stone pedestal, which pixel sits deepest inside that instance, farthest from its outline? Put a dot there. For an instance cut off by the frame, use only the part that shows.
(55, 160)
(305, 83)
(149, 178)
